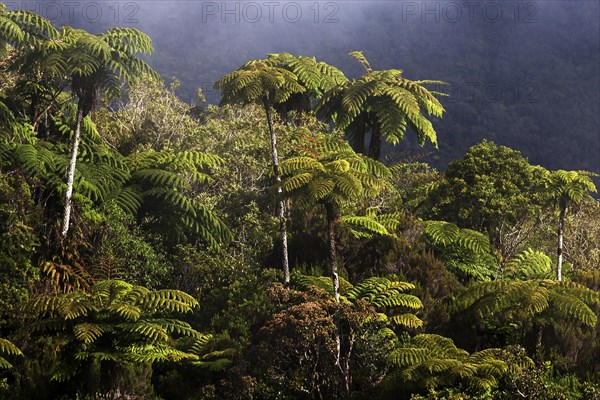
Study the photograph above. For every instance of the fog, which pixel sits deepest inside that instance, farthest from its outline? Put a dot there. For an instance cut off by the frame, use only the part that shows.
(522, 73)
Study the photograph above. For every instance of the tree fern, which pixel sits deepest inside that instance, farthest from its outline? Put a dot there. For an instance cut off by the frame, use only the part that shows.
(385, 294)
(383, 102)
(98, 63)
(115, 321)
(23, 28)
(430, 361)
(326, 171)
(268, 83)
(464, 251)
(529, 303)
(162, 188)
(315, 77)
(567, 188)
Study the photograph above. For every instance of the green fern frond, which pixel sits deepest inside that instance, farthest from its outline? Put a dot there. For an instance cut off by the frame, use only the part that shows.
(128, 311)
(530, 264)
(570, 307)
(89, 332)
(169, 300)
(430, 361)
(442, 232)
(156, 353)
(7, 348)
(321, 282)
(407, 320)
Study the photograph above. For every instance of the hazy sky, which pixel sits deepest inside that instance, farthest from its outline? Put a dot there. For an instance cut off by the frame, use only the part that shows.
(524, 73)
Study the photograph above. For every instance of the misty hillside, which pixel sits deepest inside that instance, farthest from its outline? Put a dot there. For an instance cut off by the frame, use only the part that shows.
(524, 74)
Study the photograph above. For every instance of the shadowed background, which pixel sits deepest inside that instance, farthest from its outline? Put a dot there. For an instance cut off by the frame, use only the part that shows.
(525, 74)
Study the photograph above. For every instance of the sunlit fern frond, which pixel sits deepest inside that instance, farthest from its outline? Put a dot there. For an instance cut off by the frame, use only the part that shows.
(555, 302)
(530, 264)
(7, 348)
(429, 361)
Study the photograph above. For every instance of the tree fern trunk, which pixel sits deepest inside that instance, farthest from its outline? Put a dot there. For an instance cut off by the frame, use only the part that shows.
(357, 135)
(538, 343)
(71, 173)
(561, 224)
(375, 143)
(280, 204)
(331, 222)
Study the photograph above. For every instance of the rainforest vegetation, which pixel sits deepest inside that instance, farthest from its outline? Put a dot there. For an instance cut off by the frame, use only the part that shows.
(266, 247)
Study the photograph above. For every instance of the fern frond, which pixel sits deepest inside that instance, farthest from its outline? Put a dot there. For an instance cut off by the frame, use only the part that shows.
(89, 332)
(169, 300)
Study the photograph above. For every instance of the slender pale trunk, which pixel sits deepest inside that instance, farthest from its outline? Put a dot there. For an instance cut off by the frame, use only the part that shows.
(71, 173)
(280, 204)
(561, 224)
(346, 368)
(331, 222)
(343, 365)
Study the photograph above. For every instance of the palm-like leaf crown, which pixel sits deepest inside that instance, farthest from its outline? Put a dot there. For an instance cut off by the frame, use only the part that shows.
(316, 77)
(258, 81)
(36, 45)
(567, 187)
(101, 62)
(328, 171)
(429, 361)
(547, 301)
(382, 98)
(386, 294)
(468, 253)
(160, 188)
(100, 170)
(115, 321)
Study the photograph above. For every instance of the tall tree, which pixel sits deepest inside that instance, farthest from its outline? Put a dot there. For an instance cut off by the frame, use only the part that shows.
(384, 103)
(328, 172)
(494, 190)
(96, 64)
(567, 188)
(267, 83)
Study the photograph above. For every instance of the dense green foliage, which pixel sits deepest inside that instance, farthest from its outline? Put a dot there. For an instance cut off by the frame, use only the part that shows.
(405, 282)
